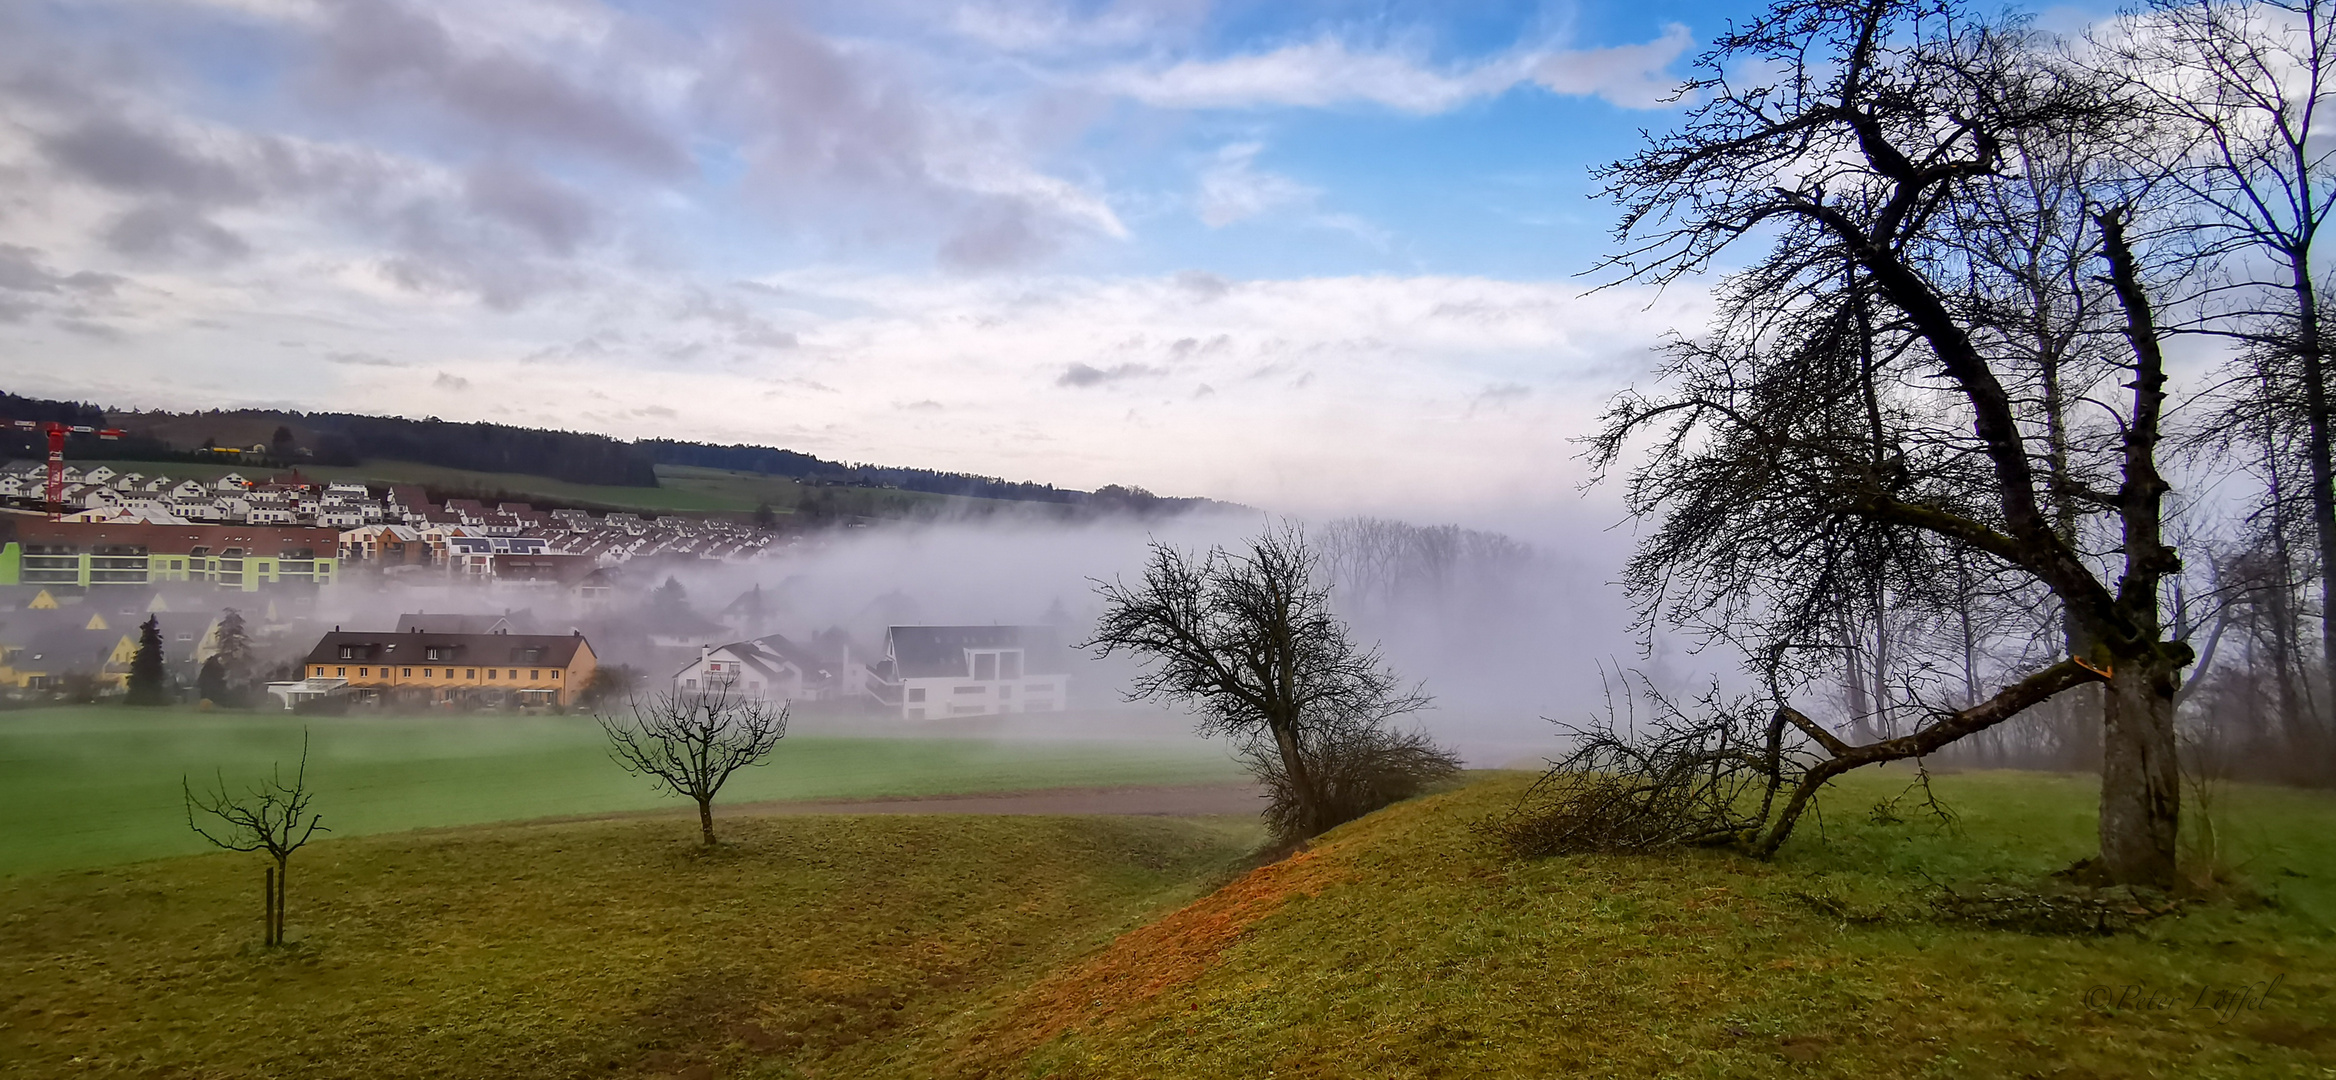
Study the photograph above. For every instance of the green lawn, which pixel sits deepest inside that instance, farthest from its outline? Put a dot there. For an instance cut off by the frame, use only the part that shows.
(96, 785)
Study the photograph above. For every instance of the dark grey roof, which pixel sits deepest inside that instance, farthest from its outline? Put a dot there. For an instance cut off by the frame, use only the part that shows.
(939, 651)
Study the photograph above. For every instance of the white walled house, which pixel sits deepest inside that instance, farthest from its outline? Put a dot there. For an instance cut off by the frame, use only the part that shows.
(743, 670)
(933, 672)
(773, 668)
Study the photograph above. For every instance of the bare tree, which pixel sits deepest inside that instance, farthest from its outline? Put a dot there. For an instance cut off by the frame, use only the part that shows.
(691, 743)
(2239, 85)
(1858, 408)
(269, 816)
(1249, 638)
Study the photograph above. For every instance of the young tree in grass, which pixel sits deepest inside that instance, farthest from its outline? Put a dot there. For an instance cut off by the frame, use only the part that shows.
(270, 816)
(608, 683)
(691, 743)
(149, 683)
(211, 682)
(1249, 638)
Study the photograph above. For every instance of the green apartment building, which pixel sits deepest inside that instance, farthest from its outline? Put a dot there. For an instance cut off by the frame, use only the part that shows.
(249, 558)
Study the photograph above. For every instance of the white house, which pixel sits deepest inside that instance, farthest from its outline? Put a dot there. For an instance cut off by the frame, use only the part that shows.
(230, 482)
(933, 672)
(189, 489)
(772, 668)
(98, 475)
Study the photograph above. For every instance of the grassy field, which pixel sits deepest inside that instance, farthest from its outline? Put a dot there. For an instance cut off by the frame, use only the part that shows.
(609, 948)
(1403, 946)
(96, 785)
(1398, 946)
(680, 488)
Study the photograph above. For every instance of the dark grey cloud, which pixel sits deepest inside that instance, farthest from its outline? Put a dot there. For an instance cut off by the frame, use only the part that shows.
(853, 132)
(445, 381)
(21, 270)
(113, 153)
(1085, 375)
(89, 328)
(360, 359)
(1202, 284)
(551, 212)
(173, 229)
(1498, 395)
(387, 55)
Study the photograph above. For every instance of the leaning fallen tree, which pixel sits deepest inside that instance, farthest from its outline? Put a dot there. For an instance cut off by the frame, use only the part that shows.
(1718, 773)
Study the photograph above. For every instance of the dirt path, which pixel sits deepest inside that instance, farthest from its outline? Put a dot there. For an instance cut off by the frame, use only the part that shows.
(1177, 800)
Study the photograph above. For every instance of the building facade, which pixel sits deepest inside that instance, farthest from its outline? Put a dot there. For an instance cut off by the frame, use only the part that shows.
(935, 672)
(243, 557)
(422, 668)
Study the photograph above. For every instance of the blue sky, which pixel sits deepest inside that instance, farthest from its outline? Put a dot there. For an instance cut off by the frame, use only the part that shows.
(1304, 255)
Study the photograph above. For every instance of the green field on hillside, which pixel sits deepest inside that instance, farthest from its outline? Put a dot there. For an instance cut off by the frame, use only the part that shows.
(681, 488)
(1405, 946)
(96, 785)
(1401, 945)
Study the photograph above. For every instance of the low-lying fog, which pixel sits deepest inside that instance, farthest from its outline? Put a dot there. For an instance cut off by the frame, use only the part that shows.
(1505, 629)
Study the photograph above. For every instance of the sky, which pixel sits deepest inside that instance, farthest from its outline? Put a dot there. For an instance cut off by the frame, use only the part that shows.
(1305, 255)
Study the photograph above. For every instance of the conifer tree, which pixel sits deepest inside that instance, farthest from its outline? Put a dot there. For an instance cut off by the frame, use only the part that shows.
(149, 684)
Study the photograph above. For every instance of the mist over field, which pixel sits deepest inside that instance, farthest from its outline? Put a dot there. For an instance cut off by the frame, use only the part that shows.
(1500, 638)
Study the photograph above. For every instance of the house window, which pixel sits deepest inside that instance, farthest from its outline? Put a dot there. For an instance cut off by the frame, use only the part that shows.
(917, 694)
(970, 690)
(409, 673)
(1005, 693)
(348, 652)
(534, 674)
(689, 684)
(472, 673)
(555, 674)
(341, 672)
(426, 673)
(985, 666)
(361, 672)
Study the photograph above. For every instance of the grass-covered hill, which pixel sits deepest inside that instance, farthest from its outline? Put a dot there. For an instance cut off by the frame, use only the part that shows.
(1398, 946)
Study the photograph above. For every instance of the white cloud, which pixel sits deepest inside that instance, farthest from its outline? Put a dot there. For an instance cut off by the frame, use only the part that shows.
(1232, 188)
(1327, 72)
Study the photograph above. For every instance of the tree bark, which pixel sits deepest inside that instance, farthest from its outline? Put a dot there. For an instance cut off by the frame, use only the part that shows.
(1301, 781)
(2141, 793)
(283, 886)
(268, 909)
(2322, 461)
(706, 820)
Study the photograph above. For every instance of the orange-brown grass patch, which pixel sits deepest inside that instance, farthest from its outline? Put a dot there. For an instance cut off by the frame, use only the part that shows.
(1150, 959)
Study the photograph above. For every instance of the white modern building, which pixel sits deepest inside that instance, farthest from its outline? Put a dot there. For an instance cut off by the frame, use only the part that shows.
(934, 672)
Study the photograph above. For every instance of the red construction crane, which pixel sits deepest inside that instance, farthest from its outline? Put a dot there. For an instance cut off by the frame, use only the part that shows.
(57, 433)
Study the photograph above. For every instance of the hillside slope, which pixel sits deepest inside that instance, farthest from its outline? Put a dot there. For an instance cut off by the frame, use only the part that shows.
(1400, 946)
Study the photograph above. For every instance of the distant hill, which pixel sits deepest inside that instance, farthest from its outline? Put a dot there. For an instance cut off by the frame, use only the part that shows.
(269, 437)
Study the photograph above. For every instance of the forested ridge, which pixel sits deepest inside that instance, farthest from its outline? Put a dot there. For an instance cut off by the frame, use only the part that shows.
(332, 438)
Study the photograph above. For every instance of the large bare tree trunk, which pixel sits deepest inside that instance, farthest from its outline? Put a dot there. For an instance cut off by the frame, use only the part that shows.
(706, 820)
(1301, 779)
(2141, 795)
(2322, 462)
